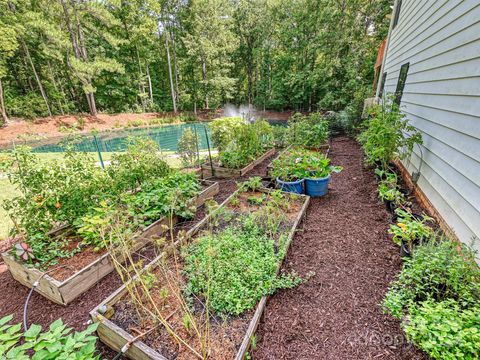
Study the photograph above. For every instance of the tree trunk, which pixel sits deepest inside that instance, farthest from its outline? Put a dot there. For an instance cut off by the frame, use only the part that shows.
(172, 89)
(150, 90)
(2, 106)
(141, 86)
(42, 91)
(204, 76)
(175, 68)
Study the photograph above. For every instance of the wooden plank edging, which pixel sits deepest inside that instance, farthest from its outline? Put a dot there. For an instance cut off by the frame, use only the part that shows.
(115, 337)
(64, 292)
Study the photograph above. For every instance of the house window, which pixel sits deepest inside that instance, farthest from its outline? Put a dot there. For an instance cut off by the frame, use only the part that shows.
(402, 78)
(398, 8)
(382, 85)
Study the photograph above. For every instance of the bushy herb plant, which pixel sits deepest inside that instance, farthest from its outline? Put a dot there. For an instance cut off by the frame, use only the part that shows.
(58, 343)
(140, 162)
(235, 267)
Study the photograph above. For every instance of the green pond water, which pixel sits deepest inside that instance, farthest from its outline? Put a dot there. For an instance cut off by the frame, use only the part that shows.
(166, 136)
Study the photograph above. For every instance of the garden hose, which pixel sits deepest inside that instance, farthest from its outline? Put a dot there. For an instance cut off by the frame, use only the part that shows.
(34, 285)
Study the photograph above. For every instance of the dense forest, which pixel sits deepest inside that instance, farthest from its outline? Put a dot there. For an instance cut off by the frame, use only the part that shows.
(71, 56)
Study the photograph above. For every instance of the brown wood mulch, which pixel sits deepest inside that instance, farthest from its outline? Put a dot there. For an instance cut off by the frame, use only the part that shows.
(334, 315)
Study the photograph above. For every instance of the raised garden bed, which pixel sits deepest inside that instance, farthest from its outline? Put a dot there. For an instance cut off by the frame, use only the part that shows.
(64, 287)
(231, 336)
(227, 173)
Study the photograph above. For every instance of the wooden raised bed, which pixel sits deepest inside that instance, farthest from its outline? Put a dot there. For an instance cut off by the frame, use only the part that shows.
(64, 292)
(227, 173)
(117, 338)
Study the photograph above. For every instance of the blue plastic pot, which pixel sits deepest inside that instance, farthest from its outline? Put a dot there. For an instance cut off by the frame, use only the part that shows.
(317, 187)
(291, 186)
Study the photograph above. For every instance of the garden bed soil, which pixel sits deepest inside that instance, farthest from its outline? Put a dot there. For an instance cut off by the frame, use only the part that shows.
(65, 281)
(229, 337)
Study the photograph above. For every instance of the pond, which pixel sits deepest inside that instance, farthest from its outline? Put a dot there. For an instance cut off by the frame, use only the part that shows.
(166, 136)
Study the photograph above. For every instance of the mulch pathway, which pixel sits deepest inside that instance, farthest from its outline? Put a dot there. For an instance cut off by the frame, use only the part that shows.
(336, 313)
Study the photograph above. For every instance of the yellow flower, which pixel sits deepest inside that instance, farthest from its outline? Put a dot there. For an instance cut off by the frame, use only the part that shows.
(402, 226)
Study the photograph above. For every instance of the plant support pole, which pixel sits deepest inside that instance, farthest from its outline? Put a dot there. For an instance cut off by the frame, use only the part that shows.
(209, 152)
(98, 151)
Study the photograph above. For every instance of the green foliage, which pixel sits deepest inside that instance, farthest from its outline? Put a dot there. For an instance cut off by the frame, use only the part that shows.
(187, 148)
(445, 331)
(310, 131)
(410, 229)
(437, 271)
(388, 188)
(59, 342)
(298, 163)
(236, 267)
(239, 142)
(171, 195)
(141, 161)
(388, 136)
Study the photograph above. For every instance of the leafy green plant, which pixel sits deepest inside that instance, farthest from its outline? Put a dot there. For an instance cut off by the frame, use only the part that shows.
(252, 184)
(298, 163)
(140, 162)
(438, 270)
(310, 131)
(59, 342)
(240, 142)
(187, 148)
(409, 229)
(161, 197)
(236, 266)
(444, 330)
(388, 189)
(387, 135)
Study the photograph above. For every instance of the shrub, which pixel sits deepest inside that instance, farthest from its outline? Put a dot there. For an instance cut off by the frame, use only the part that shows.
(387, 136)
(59, 342)
(224, 130)
(187, 148)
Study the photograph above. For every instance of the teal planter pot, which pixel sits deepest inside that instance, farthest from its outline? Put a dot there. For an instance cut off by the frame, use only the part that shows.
(317, 187)
(291, 186)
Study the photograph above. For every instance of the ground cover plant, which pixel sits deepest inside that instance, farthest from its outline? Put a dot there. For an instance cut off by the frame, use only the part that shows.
(208, 287)
(310, 131)
(58, 342)
(436, 295)
(78, 195)
(240, 142)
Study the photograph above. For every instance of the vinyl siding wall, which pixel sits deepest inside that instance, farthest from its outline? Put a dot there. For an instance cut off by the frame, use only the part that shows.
(441, 40)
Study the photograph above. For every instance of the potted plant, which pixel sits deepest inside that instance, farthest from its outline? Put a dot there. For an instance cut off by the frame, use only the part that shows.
(318, 174)
(410, 231)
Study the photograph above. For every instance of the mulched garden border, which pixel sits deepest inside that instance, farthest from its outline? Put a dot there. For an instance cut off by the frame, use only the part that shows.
(344, 249)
